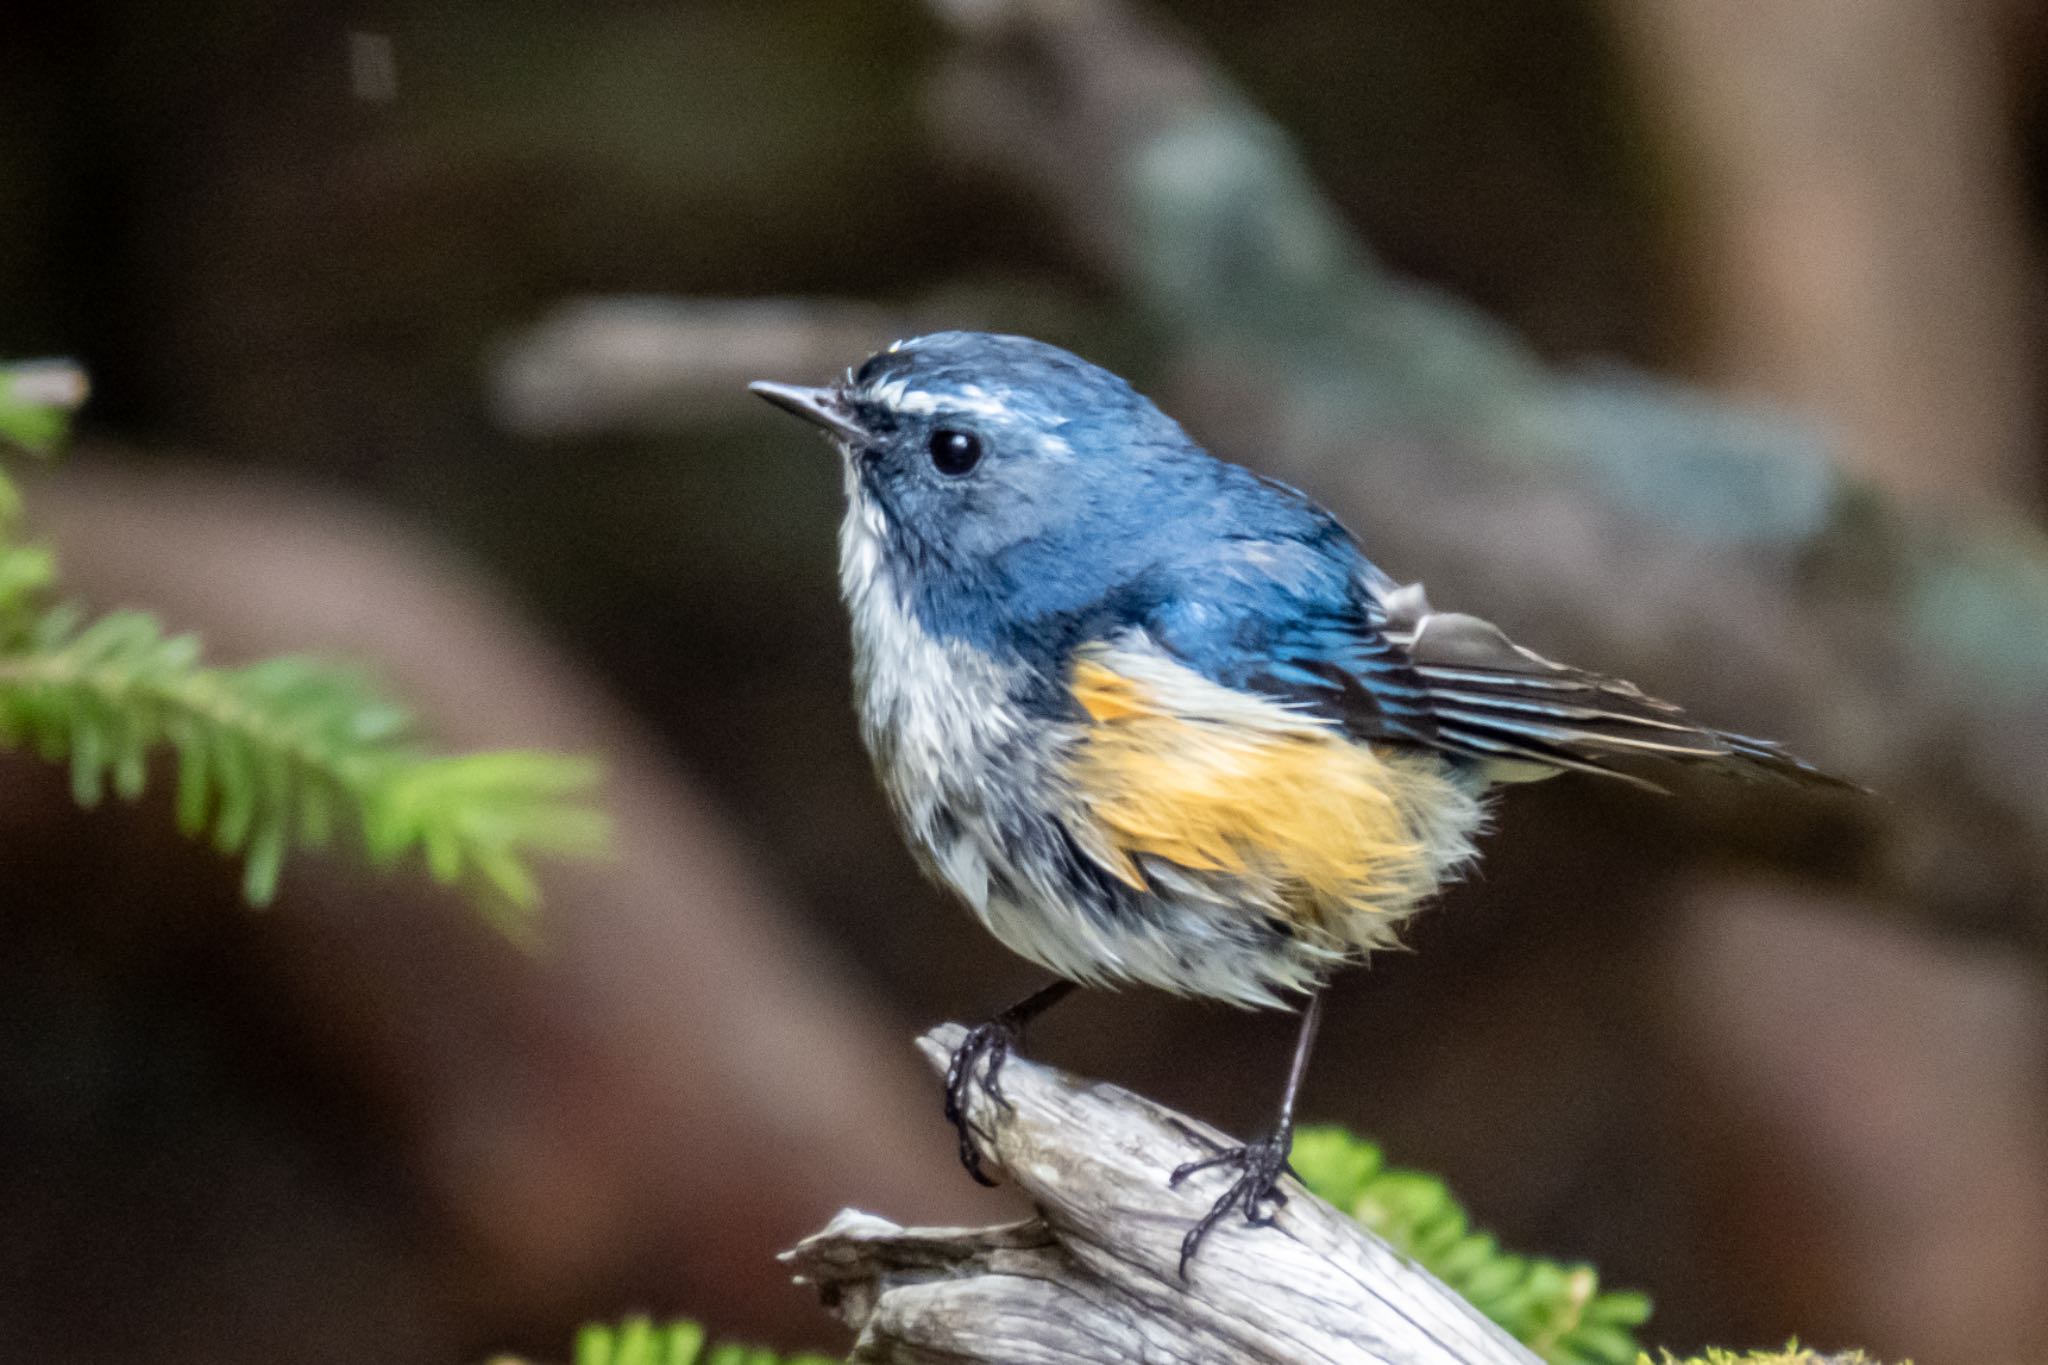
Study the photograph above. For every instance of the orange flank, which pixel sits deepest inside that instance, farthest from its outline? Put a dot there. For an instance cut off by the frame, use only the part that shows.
(1273, 806)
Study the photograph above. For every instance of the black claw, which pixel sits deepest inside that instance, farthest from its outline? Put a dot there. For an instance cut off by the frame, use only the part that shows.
(1260, 1167)
(989, 1046)
(1188, 1168)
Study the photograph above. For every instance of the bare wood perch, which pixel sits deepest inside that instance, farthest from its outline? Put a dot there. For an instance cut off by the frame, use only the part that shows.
(1093, 1278)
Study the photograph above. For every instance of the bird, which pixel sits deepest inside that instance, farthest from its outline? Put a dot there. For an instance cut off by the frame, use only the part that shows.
(1156, 719)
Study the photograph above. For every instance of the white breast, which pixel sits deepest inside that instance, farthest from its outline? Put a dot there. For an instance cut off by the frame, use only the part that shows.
(936, 716)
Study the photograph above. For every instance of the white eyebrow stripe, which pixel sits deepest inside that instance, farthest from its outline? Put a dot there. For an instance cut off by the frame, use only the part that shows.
(897, 394)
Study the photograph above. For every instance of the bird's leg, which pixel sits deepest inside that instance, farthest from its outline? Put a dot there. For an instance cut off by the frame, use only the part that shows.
(992, 1041)
(1259, 1164)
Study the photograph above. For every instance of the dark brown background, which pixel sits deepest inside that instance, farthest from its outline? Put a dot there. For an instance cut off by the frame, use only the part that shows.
(1703, 1056)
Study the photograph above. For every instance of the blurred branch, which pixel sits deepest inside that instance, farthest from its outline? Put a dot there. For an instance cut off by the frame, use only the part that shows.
(1629, 522)
(1818, 150)
(1709, 551)
(639, 364)
(1093, 1277)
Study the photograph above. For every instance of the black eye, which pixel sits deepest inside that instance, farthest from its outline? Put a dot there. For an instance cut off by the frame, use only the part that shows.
(955, 451)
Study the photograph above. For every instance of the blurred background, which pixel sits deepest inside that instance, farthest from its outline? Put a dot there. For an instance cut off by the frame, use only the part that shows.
(1695, 342)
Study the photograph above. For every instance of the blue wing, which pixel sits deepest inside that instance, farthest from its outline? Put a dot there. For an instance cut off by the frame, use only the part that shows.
(1298, 613)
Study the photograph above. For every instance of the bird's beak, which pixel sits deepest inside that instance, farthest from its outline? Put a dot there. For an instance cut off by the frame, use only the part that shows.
(820, 406)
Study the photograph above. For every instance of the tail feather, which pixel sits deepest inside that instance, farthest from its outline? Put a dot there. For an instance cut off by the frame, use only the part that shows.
(1492, 699)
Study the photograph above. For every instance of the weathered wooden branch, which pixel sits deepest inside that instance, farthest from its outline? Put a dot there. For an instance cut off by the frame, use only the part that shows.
(1093, 1277)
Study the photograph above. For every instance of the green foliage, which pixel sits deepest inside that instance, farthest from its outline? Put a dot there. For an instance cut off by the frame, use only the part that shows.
(1557, 1311)
(1793, 1354)
(282, 755)
(639, 1341)
(36, 402)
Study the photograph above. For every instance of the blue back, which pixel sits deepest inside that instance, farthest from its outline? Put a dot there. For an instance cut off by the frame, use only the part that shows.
(1091, 512)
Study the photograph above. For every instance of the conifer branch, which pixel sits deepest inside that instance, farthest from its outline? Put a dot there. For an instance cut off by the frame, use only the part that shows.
(641, 1341)
(1558, 1311)
(271, 758)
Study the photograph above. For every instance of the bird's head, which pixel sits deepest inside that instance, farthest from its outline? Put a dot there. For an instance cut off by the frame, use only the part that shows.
(979, 465)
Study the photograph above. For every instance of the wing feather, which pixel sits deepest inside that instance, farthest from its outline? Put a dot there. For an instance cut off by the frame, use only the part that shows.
(1309, 622)
(1489, 695)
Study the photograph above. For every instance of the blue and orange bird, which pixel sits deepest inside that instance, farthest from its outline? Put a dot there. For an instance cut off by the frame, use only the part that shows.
(1157, 719)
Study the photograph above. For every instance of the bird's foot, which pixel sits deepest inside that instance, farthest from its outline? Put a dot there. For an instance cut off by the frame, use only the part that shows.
(978, 1061)
(1256, 1191)
(990, 1045)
